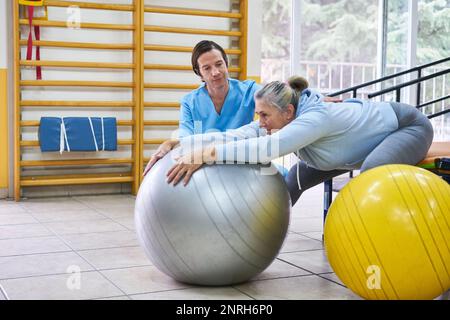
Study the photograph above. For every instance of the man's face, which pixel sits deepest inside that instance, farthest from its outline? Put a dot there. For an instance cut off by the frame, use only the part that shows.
(213, 69)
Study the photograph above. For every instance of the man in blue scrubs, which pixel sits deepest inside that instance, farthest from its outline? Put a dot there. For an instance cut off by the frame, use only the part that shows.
(220, 103)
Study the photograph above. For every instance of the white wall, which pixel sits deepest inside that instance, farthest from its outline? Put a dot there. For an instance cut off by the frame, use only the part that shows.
(254, 38)
(3, 44)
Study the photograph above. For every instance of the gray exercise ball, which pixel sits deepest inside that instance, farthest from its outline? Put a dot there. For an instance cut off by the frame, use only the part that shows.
(226, 226)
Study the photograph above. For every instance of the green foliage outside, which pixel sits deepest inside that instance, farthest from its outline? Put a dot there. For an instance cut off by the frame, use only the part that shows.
(346, 30)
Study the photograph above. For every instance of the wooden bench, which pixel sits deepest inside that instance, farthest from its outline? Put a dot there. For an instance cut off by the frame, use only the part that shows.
(437, 150)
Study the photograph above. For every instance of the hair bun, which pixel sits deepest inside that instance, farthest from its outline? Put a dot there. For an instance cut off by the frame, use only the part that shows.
(298, 83)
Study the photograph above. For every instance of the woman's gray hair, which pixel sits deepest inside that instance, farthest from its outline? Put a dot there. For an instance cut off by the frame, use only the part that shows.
(280, 94)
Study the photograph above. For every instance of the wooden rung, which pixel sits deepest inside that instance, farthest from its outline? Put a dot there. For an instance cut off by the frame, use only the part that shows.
(86, 25)
(179, 67)
(170, 86)
(234, 69)
(82, 45)
(35, 123)
(89, 5)
(161, 123)
(193, 31)
(77, 64)
(153, 47)
(161, 104)
(58, 103)
(29, 143)
(35, 143)
(192, 12)
(75, 83)
(154, 141)
(81, 175)
(29, 123)
(125, 122)
(77, 162)
(52, 181)
(166, 67)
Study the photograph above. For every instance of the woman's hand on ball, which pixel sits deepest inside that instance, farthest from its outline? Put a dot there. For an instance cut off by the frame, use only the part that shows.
(162, 150)
(189, 163)
(181, 169)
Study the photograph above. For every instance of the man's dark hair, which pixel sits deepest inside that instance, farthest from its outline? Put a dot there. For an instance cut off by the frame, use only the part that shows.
(202, 47)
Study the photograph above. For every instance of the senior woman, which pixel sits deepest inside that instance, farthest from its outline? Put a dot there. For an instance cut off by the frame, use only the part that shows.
(328, 138)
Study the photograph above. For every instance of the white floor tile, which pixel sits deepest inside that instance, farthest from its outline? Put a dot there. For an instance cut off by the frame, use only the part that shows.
(60, 287)
(107, 201)
(12, 247)
(101, 240)
(196, 293)
(312, 261)
(280, 269)
(115, 298)
(16, 218)
(11, 209)
(332, 277)
(301, 225)
(40, 264)
(298, 288)
(127, 222)
(118, 212)
(52, 204)
(59, 216)
(23, 231)
(116, 257)
(295, 242)
(3, 293)
(142, 280)
(85, 226)
(317, 235)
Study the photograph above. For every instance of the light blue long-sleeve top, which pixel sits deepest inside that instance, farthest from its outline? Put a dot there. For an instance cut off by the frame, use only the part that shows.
(326, 136)
(198, 114)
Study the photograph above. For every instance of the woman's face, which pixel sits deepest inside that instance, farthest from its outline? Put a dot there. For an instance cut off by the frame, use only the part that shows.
(271, 118)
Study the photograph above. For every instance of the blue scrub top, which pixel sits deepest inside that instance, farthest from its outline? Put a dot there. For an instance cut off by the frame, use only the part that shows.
(198, 114)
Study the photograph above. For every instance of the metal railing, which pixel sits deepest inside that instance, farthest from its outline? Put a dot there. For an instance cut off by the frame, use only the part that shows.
(397, 88)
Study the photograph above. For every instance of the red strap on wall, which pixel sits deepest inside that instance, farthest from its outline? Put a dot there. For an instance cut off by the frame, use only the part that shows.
(37, 35)
(30, 38)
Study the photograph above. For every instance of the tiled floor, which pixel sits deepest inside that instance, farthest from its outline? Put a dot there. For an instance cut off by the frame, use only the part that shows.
(86, 248)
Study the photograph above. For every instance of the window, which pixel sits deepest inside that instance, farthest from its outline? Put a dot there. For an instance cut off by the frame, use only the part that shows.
(275, 64)
(337, 41)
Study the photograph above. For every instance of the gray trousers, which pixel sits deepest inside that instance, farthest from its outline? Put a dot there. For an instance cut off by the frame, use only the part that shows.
(409, 144)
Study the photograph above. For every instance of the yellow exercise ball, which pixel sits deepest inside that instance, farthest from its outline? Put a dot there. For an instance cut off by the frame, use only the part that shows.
(387, 234)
